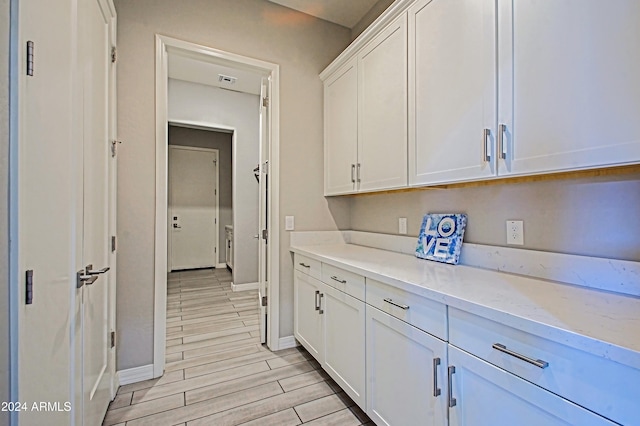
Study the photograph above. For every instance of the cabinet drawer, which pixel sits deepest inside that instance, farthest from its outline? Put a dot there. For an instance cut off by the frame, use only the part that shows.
(590, 381)
(307, 265)
(348, 282)
(418, 311)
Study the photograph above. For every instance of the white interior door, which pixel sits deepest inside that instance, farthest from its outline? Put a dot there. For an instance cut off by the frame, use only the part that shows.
(96, 345)
(193, 207)
(263, 223)
(46, 196)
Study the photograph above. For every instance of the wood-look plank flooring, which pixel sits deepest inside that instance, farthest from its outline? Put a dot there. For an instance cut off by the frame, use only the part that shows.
(218, 373)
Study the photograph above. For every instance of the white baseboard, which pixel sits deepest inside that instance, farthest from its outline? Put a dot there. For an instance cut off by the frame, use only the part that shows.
(245, 286)
(221, 266)
(287, 342)
(137, 374)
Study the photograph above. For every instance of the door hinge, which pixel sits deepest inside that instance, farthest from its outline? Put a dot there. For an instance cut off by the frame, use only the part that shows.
(265, 102)
(29, 287)
(263, 302)
(114, 54)
(113, 339)
(113, 243)
(114, 147)
(265, 234)
(30, 46)
(265, 168)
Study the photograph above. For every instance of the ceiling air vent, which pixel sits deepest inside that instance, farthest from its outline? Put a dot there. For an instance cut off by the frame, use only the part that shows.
(226, 79)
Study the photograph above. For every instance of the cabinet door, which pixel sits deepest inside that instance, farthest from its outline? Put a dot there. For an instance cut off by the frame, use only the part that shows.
(483, 391)
(307, 316)
(452, 90)
(401, 388)
(568, 84)
(344, 342)
(341, 130)
(382, 119)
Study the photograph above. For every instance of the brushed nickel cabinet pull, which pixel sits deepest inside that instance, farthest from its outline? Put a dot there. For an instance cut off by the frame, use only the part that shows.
(502, 128)
(452, 401)
(353, 173)
(436, 389)
(537, 362)
(320, 304)
(317, 305)
(391, 302)
(339, 280)
(486, 145)
(304, 265)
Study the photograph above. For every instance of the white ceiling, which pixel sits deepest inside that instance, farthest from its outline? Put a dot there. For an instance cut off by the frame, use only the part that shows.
(343, 12)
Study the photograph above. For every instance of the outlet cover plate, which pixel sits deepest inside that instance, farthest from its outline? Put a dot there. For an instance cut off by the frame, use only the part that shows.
(515, 232)
(289, 224)
(402, 225)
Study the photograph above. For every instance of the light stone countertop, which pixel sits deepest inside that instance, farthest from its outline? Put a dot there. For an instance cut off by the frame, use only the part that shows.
(604, 324)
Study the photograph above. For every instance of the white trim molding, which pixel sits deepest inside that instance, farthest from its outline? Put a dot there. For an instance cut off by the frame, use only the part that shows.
(287, 342)
(134, 375)
(245, 286)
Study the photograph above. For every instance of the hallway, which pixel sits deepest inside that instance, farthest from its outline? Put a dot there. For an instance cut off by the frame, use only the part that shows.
(217, 372)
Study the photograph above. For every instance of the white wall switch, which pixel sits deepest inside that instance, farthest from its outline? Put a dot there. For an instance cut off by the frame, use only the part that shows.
(289, 224)
(515, 232)
(402, 225)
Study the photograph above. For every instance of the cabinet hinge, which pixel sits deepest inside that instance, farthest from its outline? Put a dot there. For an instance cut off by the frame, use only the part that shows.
(113, 243)
(263, 302)
(265, 102)
(113, 339)
(114, 54)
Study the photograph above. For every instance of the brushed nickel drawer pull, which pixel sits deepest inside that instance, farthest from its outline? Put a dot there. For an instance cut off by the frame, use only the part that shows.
(339, 280)
(304, 265)
(388, 300)
(537, 362)
(436, 389)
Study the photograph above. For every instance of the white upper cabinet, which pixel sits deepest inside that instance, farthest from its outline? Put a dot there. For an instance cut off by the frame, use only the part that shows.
(452, 90)
(341, 130)
(365, 116)
(569, 85)
(382, 100)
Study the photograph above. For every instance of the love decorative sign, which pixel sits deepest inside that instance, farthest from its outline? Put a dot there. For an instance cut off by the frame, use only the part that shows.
(441, 237)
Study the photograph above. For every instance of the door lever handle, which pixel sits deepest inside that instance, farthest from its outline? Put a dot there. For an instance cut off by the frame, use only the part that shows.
(89, 272)
(82, 279)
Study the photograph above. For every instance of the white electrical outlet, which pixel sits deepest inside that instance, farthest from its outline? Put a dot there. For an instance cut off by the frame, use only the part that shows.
(289, 224)
(402, 225)
(515, 232)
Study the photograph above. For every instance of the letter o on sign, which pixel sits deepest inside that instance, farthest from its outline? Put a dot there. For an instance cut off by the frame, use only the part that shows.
(447, 227)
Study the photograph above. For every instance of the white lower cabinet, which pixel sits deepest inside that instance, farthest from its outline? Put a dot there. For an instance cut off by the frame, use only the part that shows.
(344, 342)
(307, 324)
(406, 373)
(482, 394)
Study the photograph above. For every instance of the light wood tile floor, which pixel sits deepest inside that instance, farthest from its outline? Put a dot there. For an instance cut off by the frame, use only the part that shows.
(217, 372)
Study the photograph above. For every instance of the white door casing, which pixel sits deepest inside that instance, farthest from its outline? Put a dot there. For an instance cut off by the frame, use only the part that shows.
(164, 43)
(263, 224)
(193, 207)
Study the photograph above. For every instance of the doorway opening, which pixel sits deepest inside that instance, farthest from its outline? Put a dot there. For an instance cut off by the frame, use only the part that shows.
(183, 110)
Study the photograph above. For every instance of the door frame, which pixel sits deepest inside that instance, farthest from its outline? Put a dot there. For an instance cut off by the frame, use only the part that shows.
(217, 196)
(163, 43)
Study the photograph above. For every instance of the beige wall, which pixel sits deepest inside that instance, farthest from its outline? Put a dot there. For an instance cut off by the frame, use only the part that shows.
(369, 17)
(4, 204)
(302, 46)
(588, 216)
